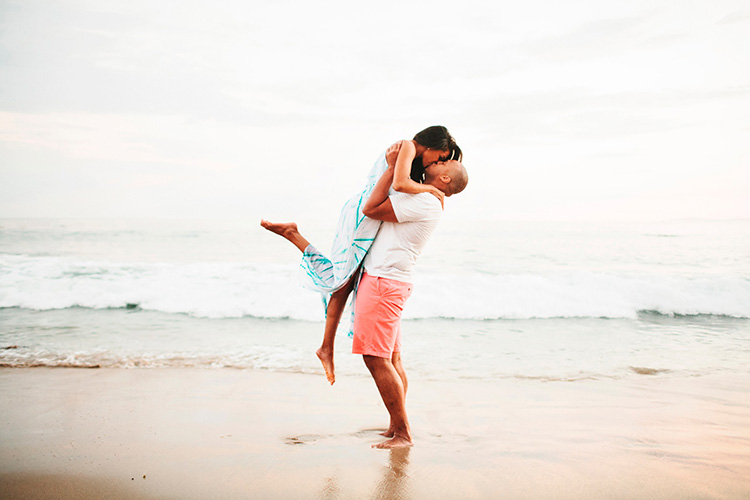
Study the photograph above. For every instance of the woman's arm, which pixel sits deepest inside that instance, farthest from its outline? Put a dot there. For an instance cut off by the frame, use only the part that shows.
(402, 181)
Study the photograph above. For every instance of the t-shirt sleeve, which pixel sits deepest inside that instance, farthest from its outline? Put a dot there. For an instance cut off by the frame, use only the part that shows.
(416, 207)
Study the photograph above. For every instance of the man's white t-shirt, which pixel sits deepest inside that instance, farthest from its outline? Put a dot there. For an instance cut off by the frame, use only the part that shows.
(394, 252)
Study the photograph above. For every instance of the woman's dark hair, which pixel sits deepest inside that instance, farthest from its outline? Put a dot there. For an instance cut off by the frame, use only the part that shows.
(435, 137)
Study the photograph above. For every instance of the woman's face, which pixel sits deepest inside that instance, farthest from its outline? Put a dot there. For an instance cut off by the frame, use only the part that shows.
(431, 156)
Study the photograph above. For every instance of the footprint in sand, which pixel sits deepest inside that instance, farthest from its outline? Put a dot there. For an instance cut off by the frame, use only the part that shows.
(303, 439)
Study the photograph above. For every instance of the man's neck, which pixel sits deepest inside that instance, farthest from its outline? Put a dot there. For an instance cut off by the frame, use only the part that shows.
(436, 183)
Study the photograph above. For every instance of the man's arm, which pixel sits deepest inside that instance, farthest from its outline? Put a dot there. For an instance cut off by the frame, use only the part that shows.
(378, 205)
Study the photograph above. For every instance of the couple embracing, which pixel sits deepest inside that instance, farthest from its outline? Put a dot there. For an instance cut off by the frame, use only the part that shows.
(380, 234)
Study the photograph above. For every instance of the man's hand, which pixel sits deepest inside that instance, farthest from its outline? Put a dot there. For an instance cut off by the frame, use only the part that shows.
(392, 154)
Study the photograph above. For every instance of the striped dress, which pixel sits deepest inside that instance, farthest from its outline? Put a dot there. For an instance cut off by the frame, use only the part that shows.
(354, 236)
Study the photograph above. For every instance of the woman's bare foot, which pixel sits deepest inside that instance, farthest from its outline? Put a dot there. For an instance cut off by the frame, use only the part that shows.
(396, 442)
(326, 357)
(286, 230)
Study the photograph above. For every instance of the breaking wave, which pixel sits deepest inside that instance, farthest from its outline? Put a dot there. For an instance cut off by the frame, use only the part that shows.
(231, 290)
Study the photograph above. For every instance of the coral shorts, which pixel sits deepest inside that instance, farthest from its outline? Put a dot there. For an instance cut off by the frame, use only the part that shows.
(377, 316)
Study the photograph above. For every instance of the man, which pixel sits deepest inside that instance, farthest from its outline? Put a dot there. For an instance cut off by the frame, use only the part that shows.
(408, 222)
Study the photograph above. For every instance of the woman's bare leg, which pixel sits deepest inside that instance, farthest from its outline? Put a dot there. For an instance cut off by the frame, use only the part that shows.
(336, 304)
(287, 230)
(333, 316)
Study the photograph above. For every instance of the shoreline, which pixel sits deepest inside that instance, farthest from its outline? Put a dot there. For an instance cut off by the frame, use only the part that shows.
(223, 433)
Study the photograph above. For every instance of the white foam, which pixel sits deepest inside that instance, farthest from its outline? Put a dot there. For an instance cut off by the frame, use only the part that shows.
(576, 294)
(229, 290)
(213, 290)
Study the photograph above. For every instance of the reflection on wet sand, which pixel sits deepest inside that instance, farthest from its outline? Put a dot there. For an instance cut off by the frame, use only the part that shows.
(393, 485)
(395, 481)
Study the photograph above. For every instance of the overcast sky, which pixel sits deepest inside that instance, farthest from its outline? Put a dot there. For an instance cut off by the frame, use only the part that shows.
(224, 109)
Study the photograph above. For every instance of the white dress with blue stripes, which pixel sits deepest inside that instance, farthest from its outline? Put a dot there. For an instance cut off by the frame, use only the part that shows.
(354, 236)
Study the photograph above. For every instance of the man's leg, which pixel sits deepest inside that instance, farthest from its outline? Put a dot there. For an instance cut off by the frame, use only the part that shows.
(391, 389)
(396, 361)
(287, 230)
(333, 317)
(399, 367)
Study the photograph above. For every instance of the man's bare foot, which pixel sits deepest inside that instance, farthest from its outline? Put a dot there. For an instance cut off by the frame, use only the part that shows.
(326, 357)
(389, 433)
(396, 442)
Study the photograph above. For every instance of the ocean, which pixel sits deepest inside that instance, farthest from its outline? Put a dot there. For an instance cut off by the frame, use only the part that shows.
(546, 301)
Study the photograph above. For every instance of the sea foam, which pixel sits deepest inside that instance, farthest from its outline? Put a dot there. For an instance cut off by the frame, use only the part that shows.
(231, 290)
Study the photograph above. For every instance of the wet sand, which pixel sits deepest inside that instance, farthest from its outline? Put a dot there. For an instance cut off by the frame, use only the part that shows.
(223, 433)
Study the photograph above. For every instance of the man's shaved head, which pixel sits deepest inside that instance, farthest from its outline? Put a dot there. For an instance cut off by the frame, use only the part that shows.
(459, 176)
(450, 176)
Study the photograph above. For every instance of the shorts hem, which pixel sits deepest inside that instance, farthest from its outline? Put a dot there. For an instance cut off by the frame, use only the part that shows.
(372, 352)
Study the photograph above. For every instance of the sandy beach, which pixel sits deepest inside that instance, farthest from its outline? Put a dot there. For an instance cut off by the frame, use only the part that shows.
(191, 433)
